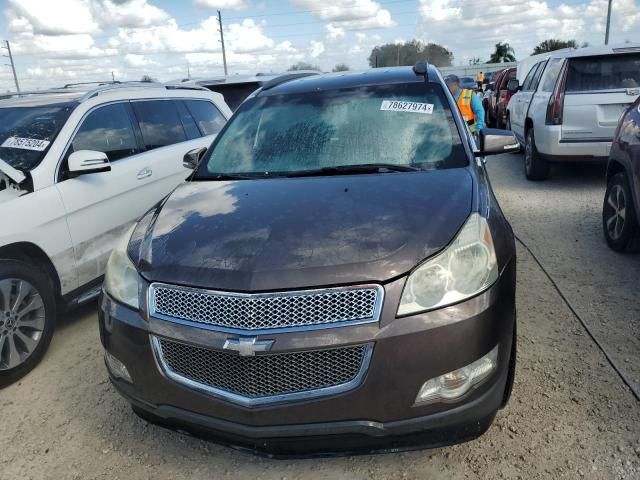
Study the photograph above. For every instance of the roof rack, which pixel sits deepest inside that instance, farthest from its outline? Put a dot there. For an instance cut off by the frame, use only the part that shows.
(102, 87)
(422, 68)
(79, 84)
(286, 78)
(114, 86)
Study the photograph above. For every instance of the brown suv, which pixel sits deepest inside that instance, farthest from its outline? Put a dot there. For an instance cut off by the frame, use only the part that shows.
(336, 276)
(621, 209)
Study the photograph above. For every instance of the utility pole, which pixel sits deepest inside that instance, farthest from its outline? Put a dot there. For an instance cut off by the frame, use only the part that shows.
(13, 67)
(113, 77)
(224, 54)
(398, 56)
(606, 35)
(188, 71)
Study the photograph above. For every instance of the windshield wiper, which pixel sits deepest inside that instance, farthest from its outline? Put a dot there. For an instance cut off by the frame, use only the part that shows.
(225, 176)
(354, 169)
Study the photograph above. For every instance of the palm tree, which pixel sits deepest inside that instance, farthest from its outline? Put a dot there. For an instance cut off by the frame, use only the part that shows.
(553, 44)
(503, 53)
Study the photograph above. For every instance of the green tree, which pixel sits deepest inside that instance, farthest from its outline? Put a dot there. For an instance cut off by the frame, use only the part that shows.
(408, 53)
(341, 67)
(147, 78)
(503, 53)
(553, 44)
(475, 61)
(303, 66)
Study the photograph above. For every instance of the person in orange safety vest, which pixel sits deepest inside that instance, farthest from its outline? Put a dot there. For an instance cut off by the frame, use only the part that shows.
(469, 104)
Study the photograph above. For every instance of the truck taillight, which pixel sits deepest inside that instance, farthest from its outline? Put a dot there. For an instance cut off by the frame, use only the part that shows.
(556, 101)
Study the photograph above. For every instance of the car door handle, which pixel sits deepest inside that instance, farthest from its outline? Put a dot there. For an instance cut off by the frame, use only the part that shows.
(146, 172)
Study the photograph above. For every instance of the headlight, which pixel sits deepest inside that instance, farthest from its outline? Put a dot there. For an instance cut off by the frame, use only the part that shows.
(121, 277)
(467, 267)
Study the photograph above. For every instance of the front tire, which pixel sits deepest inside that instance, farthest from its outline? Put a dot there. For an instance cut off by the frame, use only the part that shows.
(619, 220)
(535, 166)
(27, 319)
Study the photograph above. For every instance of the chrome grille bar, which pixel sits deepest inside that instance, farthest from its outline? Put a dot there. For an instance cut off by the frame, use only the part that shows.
(238, 312)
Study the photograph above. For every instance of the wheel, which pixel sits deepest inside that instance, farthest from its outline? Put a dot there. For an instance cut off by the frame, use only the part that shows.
(511, 376)
(535, 167)
(27, 318)
(619, 220)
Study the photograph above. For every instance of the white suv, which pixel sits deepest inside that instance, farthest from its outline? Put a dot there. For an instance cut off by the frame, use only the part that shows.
(568, 106)
(77, 167)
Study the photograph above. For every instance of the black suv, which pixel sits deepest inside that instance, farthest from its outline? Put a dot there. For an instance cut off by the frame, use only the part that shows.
(621, 208)
(336, 275)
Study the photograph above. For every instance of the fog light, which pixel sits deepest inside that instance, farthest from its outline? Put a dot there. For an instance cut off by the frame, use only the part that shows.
(116, 367)
(454, 385)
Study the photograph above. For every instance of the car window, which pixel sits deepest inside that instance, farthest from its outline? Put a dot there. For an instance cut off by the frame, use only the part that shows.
(107, 129)
(23, 128)
(551, 74)
(536, 79)
(207, 116)
(188, 123)
(405, 124)
(528, 81)
(603, 72)
(159, 122)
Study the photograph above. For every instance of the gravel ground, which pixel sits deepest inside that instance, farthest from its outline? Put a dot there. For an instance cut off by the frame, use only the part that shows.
(570, 415)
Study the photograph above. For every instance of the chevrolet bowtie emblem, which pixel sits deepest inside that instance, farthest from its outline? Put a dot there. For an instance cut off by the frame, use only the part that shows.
(247, 347)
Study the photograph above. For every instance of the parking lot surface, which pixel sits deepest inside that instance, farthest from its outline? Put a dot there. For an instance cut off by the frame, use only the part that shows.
(570, 416)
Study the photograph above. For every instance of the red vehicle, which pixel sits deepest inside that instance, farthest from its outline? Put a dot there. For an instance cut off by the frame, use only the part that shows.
(496, 103)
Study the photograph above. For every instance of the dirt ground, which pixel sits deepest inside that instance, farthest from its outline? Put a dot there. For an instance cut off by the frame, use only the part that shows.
(570, 415)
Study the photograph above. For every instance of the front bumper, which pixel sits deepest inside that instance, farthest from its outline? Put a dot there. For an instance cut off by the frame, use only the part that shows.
(378, 415)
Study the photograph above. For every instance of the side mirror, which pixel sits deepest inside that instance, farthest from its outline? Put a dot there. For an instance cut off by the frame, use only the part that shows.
(494, 141)
(513, 85)
(193, 157)
(84, 162)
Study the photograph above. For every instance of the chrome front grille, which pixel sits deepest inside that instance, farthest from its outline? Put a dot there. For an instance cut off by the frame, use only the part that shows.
(265, 311)
(269, 378)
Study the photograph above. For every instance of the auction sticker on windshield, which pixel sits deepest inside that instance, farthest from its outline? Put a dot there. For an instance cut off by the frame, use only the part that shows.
(25, 143)
(411, 107)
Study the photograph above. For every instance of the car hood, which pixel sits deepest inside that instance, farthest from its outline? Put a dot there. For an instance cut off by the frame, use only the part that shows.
(284, 233)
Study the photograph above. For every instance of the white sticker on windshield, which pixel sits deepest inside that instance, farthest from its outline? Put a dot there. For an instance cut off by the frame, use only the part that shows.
(411, 107)
(25, 143)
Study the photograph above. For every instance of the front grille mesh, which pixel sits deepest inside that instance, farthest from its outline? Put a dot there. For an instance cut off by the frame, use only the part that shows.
(266, 311)
(263, 375)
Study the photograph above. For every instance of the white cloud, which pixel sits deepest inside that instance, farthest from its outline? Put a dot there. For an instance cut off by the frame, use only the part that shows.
(316, 48)
(221, 4)
(134, 60)
(61, 17)
(470, 28)
(127, 14)
(334, 32)
(348, 14)
(59, 46)
(52, 17)
(247, 37)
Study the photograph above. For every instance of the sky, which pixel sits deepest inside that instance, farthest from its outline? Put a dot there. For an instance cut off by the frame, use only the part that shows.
(62, 41)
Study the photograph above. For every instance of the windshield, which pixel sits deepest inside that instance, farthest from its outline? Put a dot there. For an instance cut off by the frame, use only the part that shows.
(394, 125)
(27, 132)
